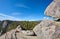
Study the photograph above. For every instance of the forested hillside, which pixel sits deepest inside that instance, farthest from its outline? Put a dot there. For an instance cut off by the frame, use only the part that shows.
(25, 24)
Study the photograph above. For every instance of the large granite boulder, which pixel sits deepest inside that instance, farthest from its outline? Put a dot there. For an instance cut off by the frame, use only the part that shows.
(47, 29)
(53, 9)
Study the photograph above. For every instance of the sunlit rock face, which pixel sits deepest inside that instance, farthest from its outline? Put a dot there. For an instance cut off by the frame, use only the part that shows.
(57, 31)
(47, 29)
(57, 0)
(53, 9)
(28, 32)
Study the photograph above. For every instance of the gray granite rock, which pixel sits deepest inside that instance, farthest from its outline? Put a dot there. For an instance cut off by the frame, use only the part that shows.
(57, 31)
(47, 29)
(53, 9)
(28, 32)
(18, 28)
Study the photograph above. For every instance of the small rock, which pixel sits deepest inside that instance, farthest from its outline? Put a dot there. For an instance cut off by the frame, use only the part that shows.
(19, 28)
(28, 32)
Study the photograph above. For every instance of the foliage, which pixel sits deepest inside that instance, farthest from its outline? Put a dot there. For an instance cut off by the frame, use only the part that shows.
(13, 24)
(25, 24)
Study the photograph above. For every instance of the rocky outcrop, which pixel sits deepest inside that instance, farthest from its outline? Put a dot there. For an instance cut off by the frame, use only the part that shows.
(19, 35)
(53, 9)
(25, 32)
(45, 29)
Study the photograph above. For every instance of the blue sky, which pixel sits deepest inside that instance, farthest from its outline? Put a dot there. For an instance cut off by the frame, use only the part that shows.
(23, 9)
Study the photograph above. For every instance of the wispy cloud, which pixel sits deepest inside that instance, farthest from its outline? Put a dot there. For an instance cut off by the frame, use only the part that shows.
(28, 18)
(23, 6)
(32, 18)
(7, 17)
(16, 13)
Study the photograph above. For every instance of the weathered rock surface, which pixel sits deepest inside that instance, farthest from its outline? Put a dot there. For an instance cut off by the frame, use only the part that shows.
(9, 34)
(53, 9)
(47, 29)
(28, 32)
(19, 35)
(57, 31)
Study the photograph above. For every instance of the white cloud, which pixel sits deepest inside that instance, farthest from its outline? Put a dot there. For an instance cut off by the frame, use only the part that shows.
(23, 6)
(7, 17)
(32, 18)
